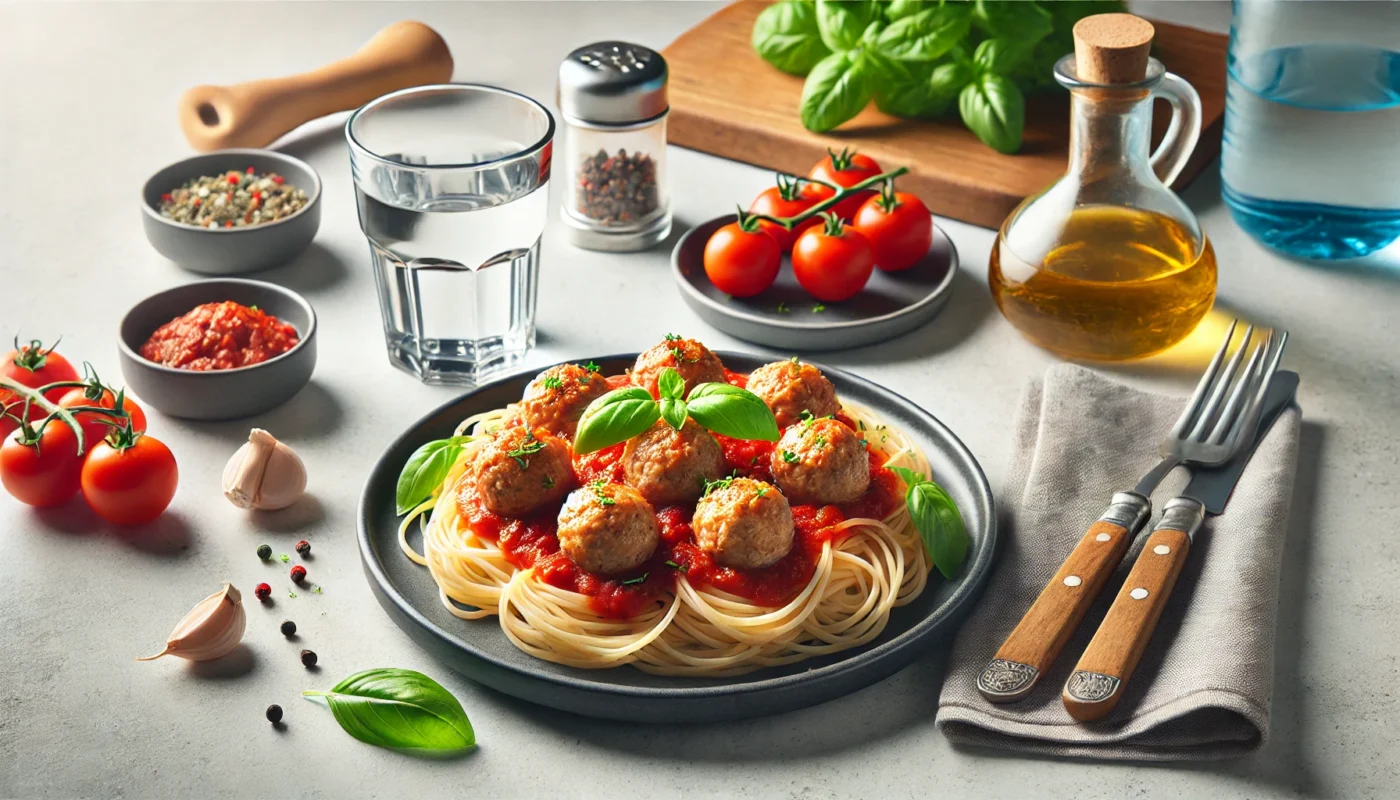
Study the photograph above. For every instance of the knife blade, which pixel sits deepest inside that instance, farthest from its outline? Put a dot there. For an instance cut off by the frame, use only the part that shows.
(1098, 680)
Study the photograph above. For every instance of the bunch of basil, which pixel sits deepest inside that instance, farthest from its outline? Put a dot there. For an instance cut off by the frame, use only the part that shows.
(921, 58)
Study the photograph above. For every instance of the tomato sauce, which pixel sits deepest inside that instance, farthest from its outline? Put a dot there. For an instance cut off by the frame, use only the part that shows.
(218, 336)
(533, 542)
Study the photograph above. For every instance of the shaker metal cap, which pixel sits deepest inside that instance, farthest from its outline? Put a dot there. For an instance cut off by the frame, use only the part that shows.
(612, 83)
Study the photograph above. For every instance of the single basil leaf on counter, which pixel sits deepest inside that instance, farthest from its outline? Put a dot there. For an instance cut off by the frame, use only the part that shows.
(1000, 56)
(940, 525)
(673, 411)
(731, 411)
(670, 384)
(402, 710)
(615, 417)
(899, 9)
(926, 35)
(842, 22)
(786, 35)
(994, 109)
(838, 88)
(425, 471)
(1019, 20)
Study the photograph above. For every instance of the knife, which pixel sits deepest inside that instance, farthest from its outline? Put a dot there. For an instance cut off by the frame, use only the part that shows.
(1098, 680)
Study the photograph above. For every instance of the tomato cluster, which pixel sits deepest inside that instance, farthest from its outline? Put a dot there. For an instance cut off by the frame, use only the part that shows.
(124, 475)
(864, 230)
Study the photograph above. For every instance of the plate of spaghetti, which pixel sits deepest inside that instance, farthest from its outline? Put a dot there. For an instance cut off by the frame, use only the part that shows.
(678, 535)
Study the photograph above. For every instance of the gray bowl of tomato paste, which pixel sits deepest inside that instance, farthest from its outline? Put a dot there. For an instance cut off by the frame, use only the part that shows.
(232, 250)
(209, 385)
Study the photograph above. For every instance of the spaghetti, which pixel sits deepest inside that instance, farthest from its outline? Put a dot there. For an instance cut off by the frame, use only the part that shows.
(685, 615)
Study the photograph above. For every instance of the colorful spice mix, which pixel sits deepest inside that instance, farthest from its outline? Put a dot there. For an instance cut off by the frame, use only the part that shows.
(618, 189)
(233, 200)
(219, 336)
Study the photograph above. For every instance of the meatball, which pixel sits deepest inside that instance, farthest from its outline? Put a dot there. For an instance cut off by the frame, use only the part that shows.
(791, 387)
(520, 470)
(821, 461)
(556, 398)
(745, 524)
(692, 360)
(608, 528)
(670, 466)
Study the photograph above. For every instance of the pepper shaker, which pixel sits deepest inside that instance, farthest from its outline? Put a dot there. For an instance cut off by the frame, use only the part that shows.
(612, 97)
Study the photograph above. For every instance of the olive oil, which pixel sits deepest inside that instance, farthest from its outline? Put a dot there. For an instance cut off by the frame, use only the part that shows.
(1117, 283)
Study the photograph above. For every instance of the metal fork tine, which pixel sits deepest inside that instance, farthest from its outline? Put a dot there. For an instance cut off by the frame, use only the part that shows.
(1250, 418)
(1245, 388)
(1217, 394)
(1187, 414)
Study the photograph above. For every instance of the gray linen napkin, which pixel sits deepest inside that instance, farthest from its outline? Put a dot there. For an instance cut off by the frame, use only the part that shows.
(1203, 687)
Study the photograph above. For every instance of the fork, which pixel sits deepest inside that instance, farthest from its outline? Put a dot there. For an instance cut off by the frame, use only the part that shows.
(1218, 420)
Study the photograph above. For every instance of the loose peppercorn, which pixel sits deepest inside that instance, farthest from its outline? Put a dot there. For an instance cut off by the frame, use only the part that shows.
(298, 573)
(289, 628)
(308, 658)
(263, 591)
(303, 548)
(274, 713)
(264, 552)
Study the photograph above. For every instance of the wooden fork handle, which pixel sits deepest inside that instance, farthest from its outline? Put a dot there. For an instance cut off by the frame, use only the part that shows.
(1041, 634)
(1097, 684)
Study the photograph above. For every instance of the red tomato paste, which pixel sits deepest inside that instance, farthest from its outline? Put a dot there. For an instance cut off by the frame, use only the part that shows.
(219, 336)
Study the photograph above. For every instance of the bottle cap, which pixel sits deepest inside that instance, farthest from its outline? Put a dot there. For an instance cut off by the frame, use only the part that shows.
(1112, 48)
(612, 83)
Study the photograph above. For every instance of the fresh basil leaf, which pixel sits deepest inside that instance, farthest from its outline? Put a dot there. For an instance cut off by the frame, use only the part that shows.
(838, 88)
(402, 710)
(1019, 20)
(1036, 72)
(615, 417)
(999, 56)
(731, 411)
(786, 35)
(940, 525)
(909, 476)
(425, 471)
(926, 35)
(670, 384)
(899, 9)
(673, 411)
(948, 79)
(842, 22)
(907, 89)
(994, 109)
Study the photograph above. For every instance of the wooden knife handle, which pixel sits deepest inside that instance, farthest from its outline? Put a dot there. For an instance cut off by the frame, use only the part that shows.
(1096, 685)
(256, 113)
(1041, 634)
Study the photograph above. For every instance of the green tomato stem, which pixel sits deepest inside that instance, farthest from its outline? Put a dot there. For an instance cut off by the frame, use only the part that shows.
(841, 194)
(36, 396)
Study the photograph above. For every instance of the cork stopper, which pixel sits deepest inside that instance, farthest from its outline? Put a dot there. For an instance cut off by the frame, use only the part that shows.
(1112, 48)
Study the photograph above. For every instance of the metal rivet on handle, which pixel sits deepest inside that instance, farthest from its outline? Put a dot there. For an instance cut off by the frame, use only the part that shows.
(1072, 580)
(1103, 537)
(1161, 549)
(1138, 593)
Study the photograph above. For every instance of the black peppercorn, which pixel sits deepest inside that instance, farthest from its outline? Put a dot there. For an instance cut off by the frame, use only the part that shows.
(264, 552)
(274, 713)
(289, 628)
(304, 548)
(308, 658)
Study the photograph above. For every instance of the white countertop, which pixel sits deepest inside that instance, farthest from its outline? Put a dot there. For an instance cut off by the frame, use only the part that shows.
(87, 112)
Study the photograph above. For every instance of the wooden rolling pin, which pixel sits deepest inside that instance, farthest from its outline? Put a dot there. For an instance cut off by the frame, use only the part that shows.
(256, 113)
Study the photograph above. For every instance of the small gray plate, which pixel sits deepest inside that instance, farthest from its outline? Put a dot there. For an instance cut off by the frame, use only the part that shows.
(892, 303)
(479, 650)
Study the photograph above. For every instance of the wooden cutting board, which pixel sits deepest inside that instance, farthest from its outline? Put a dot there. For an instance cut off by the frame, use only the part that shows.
(727, 101)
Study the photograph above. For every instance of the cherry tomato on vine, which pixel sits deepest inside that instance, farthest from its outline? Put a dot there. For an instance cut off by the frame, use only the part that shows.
(845, 169)
(899, 227)
(740, 259)
(130, 479)
(44, 472)
(834, 262)
(33, 366)
(94, 427)
(9, 404)
(784, 200)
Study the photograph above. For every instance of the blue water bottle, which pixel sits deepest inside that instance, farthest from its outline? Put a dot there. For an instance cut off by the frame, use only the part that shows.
(1311, 159)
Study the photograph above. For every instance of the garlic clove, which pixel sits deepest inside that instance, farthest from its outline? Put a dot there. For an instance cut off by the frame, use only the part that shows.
(264, 474)
(212, 628)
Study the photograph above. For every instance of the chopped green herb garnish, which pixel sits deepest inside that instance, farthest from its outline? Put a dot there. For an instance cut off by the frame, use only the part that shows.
(254, 308)
(671, 337)
(860, 423)
(722, 483)
(553, 382)
(821, 441)
(818, 308)
(864, 443)
(783, 308)
(603, 498)
(639, 579)
(673, 565)
(762, 490)
(548, 482)
(317, 590)
(529, 447)
(592, 366)
(285, 558)
(753, 462)
(291, 594)
(790, 457)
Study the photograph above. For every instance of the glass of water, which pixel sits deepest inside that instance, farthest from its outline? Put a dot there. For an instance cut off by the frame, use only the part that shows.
(451, 183)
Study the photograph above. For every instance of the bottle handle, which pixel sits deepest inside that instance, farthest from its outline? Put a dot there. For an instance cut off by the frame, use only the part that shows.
(1184, 130)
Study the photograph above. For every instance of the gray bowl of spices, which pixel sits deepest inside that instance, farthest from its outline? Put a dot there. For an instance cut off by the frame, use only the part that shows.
(232, 211)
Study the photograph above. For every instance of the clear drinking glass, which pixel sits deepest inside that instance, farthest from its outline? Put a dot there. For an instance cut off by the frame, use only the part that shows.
(451, 186)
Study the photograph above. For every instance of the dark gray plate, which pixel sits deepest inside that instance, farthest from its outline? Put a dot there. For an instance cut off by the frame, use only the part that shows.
(479, 649)
(892, 303)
